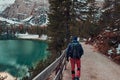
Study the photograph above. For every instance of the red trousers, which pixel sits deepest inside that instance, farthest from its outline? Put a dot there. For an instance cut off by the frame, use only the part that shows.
(78, 63)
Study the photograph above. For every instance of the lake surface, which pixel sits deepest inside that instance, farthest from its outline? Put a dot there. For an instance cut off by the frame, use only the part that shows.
(16, 56)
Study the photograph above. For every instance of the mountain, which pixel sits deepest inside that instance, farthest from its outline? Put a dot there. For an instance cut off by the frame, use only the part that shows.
(108, 39)
(23, 8)
(30, 11)
(5, 3)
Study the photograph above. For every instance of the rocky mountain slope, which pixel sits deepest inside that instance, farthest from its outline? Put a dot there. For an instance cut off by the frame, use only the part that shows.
(24, 8)
(5, 3)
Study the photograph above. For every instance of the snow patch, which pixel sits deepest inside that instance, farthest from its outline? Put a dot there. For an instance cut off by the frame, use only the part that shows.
(107, 30)
(27, 36)
(5, 3)
(108, 8)
(27, 19)
(115, 29)
(9, 21)
(43, 37)
(118, 49)
(100, 0)
(110, 52)
(83, 1)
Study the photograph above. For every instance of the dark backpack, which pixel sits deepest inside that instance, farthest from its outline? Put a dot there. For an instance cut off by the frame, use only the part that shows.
(76, 50)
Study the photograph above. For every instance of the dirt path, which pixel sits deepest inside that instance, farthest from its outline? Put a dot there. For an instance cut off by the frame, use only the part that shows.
(95, 66)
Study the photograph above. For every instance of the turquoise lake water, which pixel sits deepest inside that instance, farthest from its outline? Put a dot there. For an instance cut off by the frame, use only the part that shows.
(16, 56)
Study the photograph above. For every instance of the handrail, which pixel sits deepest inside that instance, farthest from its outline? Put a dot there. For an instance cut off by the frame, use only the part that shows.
(47, 71)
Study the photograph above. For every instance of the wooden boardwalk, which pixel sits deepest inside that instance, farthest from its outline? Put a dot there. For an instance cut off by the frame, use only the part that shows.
(94, 66)
(67, 72)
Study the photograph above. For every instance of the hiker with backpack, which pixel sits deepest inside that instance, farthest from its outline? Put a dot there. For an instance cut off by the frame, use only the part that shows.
(74, 52)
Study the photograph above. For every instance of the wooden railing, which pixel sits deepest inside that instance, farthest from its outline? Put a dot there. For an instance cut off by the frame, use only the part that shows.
(57, 66)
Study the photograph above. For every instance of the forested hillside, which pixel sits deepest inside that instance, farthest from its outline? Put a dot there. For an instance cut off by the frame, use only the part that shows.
(96, 21)
(108, 39)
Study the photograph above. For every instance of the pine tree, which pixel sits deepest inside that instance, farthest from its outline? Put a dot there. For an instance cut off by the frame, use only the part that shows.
(68, 18)
(59, 21)
(87, 13)
(111, 14)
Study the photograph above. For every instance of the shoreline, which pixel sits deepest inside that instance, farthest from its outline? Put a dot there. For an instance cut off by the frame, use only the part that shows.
(6, 76)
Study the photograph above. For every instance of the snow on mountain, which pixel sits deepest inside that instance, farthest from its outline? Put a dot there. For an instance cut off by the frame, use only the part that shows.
(108, 8)
(33, 12)
(42, 20)
(22, 9)
(100, 0)
(5, 3)
(99, 3)
(9, 21)
(27, 19)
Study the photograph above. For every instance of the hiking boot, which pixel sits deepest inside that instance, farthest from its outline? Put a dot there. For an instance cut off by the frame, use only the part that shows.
(76, 78)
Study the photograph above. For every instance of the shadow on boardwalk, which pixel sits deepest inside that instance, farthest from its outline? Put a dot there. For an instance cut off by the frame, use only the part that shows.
(67, 72)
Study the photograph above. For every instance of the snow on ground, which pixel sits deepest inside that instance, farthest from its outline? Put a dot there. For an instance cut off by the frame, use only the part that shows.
(5, 3)
(118, 49)
(43, 37)
(31, 36)
(6, 76)
(27, 36)
(110, 52)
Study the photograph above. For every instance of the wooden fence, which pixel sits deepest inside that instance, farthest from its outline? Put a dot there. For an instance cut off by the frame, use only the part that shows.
(57, 66)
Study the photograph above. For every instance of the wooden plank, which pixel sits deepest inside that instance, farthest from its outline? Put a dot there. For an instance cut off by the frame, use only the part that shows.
(59, 74)
(47, 71)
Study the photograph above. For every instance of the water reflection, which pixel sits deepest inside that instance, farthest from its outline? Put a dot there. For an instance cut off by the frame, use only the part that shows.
(17, 55)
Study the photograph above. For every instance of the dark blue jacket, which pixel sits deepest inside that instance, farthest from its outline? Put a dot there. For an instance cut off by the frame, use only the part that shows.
(68, 50)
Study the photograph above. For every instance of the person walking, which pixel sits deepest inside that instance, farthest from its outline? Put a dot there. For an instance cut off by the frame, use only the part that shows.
(74, 52)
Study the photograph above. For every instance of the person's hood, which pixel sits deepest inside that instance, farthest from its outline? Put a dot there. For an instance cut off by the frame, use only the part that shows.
(74, 38)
